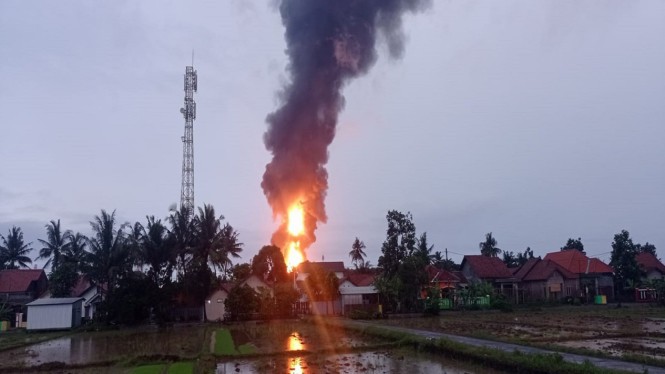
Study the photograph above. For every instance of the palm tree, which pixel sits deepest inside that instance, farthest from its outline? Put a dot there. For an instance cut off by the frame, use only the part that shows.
(74, 250)
(357, 254)
(14, 251)
(156, 251)
(181, 235)
(488, 247)
(231, 248)
(108, 250)
(54, 245)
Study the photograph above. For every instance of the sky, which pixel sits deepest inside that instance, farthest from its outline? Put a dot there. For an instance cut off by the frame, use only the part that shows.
(537, 121)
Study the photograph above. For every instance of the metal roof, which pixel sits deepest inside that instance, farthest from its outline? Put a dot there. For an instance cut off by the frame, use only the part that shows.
(55, 301)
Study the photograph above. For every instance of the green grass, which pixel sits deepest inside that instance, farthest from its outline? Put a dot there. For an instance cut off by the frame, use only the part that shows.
(149, 369)
(224, 343)
(181, 368)
(247, 349)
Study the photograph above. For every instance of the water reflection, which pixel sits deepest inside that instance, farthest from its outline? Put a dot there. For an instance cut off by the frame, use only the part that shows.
(295, 343)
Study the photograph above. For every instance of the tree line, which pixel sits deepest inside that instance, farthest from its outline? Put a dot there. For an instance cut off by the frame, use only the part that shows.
(140, 268)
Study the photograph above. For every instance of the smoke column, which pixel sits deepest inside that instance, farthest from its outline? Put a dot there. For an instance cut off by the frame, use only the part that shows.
(329, 42)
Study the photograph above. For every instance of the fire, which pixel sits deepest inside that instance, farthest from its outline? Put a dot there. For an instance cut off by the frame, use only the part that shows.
(296, 220)
(296, 227)
(293, 256)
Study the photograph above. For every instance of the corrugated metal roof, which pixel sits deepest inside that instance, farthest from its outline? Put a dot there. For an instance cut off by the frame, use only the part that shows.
(55, 301)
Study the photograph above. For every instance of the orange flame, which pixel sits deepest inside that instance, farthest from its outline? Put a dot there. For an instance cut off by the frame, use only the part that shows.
(293, 256)
(295, 227)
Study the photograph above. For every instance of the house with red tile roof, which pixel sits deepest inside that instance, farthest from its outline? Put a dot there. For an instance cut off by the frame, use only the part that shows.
(479, 268)
(357, 291)
(442, 280)
(21, 286)
(652, 267)
(596, 277)
(542, 280)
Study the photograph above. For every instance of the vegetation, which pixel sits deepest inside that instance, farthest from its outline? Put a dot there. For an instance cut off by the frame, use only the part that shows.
(573, 244)
(14, 251)
(626, 271)
(357, 254)
(402, 264)
(488, 247)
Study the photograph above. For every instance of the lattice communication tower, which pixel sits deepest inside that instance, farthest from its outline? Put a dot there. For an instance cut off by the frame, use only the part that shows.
(189, 112)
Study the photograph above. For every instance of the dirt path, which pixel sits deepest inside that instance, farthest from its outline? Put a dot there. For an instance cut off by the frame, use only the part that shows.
(509, 347)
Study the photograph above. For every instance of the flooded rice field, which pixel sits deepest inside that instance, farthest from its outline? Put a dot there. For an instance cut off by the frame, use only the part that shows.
(635, 330)
(279, 347)
(382, 361)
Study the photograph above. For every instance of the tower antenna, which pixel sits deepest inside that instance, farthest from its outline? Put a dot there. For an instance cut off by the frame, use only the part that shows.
(189, 112)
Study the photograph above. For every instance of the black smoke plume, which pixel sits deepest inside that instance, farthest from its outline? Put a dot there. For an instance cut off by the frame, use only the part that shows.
(329, 42)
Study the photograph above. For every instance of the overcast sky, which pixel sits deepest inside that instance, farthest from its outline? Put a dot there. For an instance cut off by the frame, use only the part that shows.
(535, 120)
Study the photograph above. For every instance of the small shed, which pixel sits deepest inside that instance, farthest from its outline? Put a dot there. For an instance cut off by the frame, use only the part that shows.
(54, 313)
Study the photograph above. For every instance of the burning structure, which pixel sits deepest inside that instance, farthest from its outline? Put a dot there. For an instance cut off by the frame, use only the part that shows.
(328, 44)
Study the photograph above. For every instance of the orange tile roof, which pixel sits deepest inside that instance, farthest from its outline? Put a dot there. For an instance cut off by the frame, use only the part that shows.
(487, 267)
(578, 263)
(649, 262)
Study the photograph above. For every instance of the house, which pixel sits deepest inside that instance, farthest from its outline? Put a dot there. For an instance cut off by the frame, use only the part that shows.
(545, 280)
(21, 286)
(479, 268)
(652, 267)
(357, 291)
(443, 280)
(214, 304)
(304, 269)
(54, 313)
(91, 294)
(595, 277)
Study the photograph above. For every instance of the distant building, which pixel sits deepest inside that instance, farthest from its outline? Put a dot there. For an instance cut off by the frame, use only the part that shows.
(542, 280)
(651, 266)
(357, 291)
(91, 294)
(54, 313)
(304, 268)
(479, 268)
(21, 286)
(215, 308)
(595, 276)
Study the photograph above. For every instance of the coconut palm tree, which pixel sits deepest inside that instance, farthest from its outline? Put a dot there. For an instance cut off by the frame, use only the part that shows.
(156, 251)
(488, 247)
(230, 249)
(181, 236)
(14, 251)
(357, 254)
(108, 250)
(54, 245)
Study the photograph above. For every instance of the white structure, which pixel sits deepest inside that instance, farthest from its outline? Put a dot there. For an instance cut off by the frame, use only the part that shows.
(357, 289)
(54, 313)
(214, 305)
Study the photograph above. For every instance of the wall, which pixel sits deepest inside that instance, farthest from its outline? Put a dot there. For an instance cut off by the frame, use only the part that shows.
(215, 305)
(50, 317)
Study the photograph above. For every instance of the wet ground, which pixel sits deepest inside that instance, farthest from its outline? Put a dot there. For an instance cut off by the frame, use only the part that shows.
(286, 347)
(383, 361)
(635, 330)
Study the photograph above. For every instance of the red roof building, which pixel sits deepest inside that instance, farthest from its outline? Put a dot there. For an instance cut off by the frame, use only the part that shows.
(484, 268)
(578, 263)
(650, 264)
(596, 277)
(546, 280)
(21, 286)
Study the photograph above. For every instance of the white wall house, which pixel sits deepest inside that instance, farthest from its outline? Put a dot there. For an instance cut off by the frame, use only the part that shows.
(54, 313)
(214, 304)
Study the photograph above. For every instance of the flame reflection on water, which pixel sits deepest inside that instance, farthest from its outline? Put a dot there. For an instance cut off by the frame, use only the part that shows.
(295, 344)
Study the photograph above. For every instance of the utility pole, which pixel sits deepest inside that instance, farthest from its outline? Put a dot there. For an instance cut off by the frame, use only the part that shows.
(189, 112)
